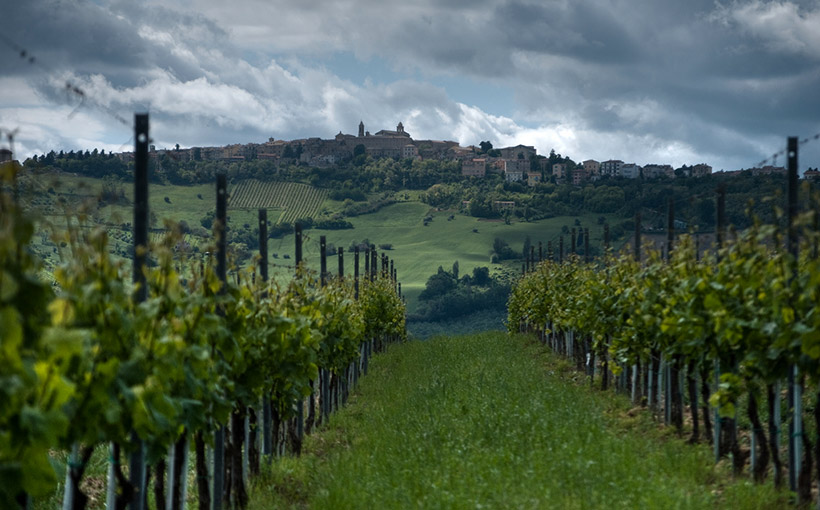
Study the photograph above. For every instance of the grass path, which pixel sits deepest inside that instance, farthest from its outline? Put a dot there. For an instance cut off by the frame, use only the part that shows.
(489, 421)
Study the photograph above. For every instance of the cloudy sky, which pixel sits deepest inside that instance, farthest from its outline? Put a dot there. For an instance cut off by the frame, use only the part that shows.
(645, 81)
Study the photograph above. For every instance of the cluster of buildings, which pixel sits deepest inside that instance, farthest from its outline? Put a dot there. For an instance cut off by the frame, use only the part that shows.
(325, 153)
(534, 172)
(520, 163)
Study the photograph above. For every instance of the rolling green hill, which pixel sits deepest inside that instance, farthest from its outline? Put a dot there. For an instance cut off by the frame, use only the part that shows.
(417, 249)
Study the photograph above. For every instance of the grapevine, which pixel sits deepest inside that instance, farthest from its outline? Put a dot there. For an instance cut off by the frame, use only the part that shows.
(748, 309)
(86, 365)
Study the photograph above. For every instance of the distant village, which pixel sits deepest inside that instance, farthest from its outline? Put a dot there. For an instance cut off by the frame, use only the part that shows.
(521, 163)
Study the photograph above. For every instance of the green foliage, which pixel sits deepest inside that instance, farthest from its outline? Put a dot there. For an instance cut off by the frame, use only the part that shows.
(89, 365)
(438, 284)
(34, 385)
(503, 251)
(446, 297)
(746, 308)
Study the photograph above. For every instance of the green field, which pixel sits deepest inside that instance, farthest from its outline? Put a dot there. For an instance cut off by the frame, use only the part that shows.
(493, 421)
(417, 250)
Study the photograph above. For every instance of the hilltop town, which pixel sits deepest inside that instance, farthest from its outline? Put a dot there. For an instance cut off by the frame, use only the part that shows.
(520, 163)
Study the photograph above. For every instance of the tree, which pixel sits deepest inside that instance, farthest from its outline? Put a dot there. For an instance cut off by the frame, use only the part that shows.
(486, 146)
(455, 270)
(438, 284)
(481, 276)
(502, 250)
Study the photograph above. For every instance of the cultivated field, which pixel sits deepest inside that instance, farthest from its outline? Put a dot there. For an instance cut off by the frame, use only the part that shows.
(296, 200)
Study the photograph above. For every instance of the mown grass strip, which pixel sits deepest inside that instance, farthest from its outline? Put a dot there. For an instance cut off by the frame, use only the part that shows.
(489, 421)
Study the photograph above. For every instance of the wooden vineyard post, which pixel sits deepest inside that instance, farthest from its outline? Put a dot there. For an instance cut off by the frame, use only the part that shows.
(637, 255)
(586, 246)
(794, 379)
(720, 232)
(348, 373)
(356, 273)
(367, 262)
(605, 354)
(540, 252)
(672, 413)
(323, 260)
(549, 251)
(670, 229)
(221, 230)
(137, 460)
(358, 366)
(267, 411)
(263, 244)
(300, 408)
(324, 373)
(561, 249)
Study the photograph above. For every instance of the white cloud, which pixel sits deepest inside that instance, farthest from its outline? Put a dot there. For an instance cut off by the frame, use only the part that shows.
(784, 27)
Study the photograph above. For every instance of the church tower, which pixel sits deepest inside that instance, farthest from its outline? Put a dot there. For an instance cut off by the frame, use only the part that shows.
(361, 128)
(400, 128)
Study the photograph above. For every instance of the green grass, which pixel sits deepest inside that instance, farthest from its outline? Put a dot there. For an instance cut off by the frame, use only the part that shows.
(418, 250)
(483, 320)
(489, 421)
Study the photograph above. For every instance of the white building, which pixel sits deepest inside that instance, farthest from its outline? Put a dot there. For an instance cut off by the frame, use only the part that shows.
(630, 171)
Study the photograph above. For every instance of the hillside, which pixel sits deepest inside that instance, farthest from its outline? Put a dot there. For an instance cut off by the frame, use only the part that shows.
(417, 249)
(426, 226)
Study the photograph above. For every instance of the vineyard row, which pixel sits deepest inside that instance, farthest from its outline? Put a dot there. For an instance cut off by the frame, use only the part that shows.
(184, 355)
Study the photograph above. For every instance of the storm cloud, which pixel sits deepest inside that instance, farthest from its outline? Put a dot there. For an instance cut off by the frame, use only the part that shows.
(640, 80)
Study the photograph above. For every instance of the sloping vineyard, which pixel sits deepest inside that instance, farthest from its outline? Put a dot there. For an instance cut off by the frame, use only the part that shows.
(719, 331)
(86, 366)
(295, 199)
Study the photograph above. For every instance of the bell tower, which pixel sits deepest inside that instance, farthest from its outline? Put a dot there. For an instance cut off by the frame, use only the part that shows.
(361, 128)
